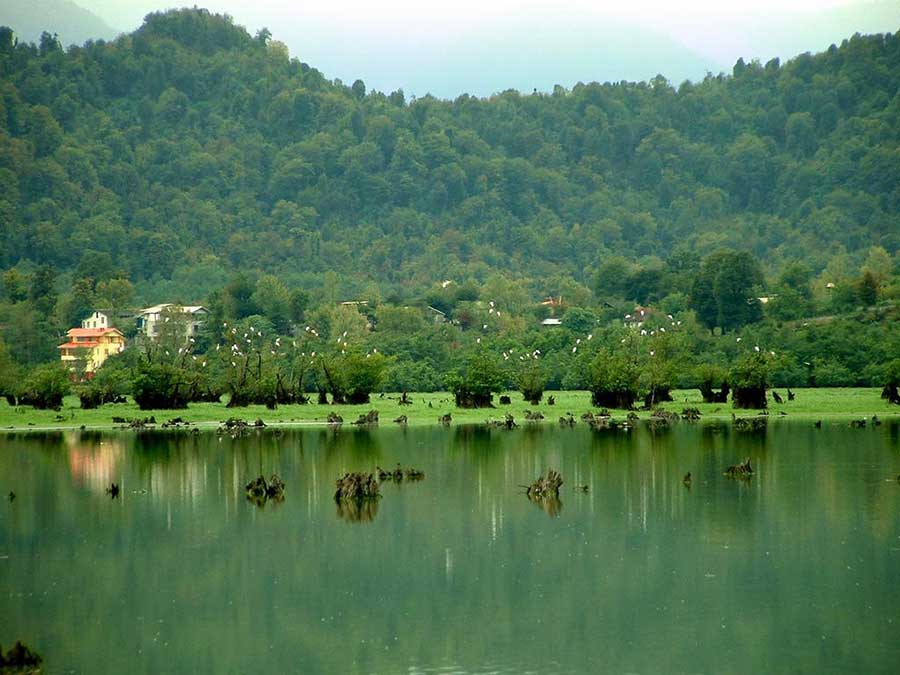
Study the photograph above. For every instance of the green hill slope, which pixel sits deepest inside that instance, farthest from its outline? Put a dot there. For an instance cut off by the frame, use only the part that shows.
(192, 145)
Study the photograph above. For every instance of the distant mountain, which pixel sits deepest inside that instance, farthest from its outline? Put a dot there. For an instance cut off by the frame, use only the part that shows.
(533, 49)
(73, 24)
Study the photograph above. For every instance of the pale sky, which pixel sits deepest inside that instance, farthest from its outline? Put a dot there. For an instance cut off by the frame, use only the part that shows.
(442, 44)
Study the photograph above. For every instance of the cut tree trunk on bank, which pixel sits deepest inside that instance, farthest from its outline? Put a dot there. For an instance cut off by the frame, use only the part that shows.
(623, 399)
(749, 398)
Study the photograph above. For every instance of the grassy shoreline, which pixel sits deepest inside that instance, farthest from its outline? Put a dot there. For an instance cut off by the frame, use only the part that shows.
(824, 403)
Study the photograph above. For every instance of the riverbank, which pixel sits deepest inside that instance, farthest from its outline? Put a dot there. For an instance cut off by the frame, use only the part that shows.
(426, 408)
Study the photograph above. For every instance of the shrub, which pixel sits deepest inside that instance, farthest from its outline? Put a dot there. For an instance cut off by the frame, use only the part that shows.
(531, 379)
(160, 386)
(750, 379)
(614, 379)
(46, 386)
(474, 383)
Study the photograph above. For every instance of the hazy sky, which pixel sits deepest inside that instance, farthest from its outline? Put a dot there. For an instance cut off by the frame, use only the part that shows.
(404, 43)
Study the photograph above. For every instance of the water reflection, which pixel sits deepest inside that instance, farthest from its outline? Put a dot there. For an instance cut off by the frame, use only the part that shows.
(638, 574)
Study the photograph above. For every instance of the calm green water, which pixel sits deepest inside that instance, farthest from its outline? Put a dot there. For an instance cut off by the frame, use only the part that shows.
(797, 570)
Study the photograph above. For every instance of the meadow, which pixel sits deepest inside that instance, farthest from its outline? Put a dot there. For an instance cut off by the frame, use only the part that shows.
(426, 408)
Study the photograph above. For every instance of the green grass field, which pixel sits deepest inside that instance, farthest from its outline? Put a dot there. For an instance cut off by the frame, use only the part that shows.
(426, 408)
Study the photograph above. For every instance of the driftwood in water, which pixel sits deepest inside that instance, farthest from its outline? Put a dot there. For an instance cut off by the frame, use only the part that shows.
(690, 414)
(858, 424)
(113, 490)
(370, 419)
(742, 470)
(445, 419)
(259, 491)
(402, 420)
(533, 416)
(334, 418)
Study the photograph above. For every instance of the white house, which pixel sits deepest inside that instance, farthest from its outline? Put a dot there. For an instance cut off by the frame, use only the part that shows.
(150, 318)
(551, 321)
(96, 320)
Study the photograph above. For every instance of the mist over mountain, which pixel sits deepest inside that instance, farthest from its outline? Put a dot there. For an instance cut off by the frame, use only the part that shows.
(73, 24)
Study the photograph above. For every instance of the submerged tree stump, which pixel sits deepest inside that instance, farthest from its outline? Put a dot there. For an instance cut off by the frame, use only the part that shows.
(545, 492)
(742, 470)
(370, 419)
(567, 421)
(19, 659)
(356, 495)
(259, 491)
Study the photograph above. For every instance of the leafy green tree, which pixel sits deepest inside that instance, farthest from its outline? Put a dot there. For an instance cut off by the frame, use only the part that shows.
(45, 386)
(476, 379)
(614, 378)
(749, 378)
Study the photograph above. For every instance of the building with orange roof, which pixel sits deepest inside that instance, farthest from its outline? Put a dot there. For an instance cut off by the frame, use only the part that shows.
(90, 346)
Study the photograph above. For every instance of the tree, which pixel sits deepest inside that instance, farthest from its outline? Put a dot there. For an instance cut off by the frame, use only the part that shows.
(735, 291)
(474, 382)
(46, 386)
(867, 289)
(614, 378)
(531, 378)
(749, 378)
(724, 290)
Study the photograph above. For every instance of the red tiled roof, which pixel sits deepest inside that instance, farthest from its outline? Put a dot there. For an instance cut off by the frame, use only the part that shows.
(91, 332)
(78, 345)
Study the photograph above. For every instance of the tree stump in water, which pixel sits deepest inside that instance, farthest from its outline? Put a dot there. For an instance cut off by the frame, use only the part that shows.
(742, 470)
(545, 492)
(370, 419)
(356, 496)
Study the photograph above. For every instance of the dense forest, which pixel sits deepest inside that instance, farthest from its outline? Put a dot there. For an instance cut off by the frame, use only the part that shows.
(192, 162)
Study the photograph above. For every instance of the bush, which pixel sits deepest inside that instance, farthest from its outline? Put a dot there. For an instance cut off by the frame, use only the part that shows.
(892, 382)
(614, 379)
(531, 380)
(750, 379)
(160, 386)
(474, 384)
(46, 386)
(109, 385)
(352, 377)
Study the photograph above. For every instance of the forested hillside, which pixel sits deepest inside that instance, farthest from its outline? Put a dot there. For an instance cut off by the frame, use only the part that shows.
(191, 149)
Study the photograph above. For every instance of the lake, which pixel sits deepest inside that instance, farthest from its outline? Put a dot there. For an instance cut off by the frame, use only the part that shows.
(795, 569)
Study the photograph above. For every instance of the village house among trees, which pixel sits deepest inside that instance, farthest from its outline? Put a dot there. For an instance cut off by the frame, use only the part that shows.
(90, 345)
